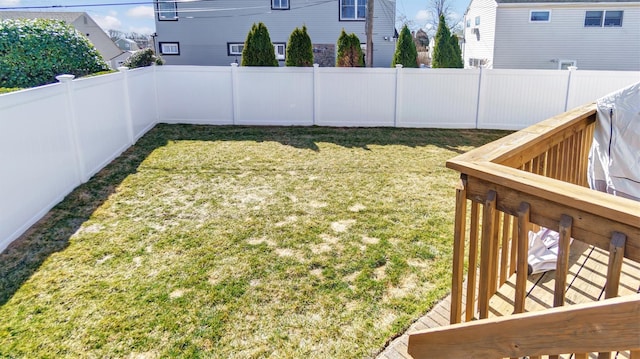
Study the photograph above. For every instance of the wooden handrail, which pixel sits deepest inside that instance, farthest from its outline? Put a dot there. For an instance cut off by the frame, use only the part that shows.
(592, 206)
(531, 140)
(606, 325)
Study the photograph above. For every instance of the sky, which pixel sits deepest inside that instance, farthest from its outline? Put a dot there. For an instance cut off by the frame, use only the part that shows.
(137, 15)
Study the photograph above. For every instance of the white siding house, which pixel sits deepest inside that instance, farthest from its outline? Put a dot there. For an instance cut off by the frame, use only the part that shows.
(213, 32)
(526, 34)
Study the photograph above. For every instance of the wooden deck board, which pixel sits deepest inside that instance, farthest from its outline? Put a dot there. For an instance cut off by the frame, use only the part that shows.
(585, 283)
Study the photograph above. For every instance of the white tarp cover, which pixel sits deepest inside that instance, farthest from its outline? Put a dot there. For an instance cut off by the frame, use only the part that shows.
(614, 159)
(543, 250)
(614, 165)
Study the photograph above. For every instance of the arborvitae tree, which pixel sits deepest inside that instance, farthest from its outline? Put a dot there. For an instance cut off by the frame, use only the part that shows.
(444, 53)
(258, 49)
(299, 49)
(406, 53)
(349, 51)
(457, 51)
(33, 52)
(357, 50)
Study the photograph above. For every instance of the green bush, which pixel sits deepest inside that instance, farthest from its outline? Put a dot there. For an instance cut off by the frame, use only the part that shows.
(258, 49)
(143, 58)
(299, 49)
(349, 51)
(34, 51)
(406, 53)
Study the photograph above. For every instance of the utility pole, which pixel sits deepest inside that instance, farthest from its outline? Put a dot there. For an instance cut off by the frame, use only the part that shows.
(369, 32)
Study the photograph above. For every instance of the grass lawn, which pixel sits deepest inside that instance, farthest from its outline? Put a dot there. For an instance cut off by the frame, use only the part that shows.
(240, 242)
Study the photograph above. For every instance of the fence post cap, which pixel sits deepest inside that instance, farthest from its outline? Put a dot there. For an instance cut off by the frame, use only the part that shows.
(65, 77)
(316, 65)
(398, 66)
(234, 64)
(122, 68)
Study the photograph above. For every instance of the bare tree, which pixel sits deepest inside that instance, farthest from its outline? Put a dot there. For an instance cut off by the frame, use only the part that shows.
(435, 8)
(116, 34)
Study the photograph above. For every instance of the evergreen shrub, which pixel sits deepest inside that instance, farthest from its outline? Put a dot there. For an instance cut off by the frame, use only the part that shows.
(34, 51)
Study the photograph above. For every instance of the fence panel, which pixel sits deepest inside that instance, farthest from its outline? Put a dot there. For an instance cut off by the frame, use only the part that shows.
(442, 98)
(37, 157)
(194, 94)
(274, 96)
(103, 133)
(354, 97)
(588, 86)
(142, 100)
(515, 99)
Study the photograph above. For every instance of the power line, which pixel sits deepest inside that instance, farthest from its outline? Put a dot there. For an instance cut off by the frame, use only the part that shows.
(74, 5)
(181, 10)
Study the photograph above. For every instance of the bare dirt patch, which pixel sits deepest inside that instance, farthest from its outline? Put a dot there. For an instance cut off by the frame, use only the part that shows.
(370, 240)
(342, 226)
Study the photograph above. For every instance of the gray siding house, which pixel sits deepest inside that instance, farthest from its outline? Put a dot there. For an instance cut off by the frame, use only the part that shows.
(213, 32)
(552, 34)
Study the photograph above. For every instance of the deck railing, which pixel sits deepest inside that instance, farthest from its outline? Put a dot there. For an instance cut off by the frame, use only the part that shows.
(534, 177)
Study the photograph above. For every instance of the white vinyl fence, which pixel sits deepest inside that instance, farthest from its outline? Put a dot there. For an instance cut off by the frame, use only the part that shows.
(327, 96)
(55, 137)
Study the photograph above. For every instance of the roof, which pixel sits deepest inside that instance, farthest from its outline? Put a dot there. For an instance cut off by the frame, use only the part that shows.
(65, 16)
(561, 1)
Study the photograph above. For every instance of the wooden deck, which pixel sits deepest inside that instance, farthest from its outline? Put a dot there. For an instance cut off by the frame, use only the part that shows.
(585, 283)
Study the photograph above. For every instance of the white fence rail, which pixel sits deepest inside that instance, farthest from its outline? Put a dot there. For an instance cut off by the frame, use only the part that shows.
(55, 137)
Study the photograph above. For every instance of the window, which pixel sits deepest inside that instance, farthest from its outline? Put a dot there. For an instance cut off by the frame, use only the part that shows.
(235, 48)
(613, 18)
(280, 50)
(593, 18)
(352, 9)
(167, 10)
(540, 16)
(170, 48)
(477, 63)
(280, 4)
(477, 20)
(468, 22)
(565, 64)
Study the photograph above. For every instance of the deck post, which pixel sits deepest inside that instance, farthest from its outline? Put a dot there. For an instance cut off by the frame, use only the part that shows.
(458, 251)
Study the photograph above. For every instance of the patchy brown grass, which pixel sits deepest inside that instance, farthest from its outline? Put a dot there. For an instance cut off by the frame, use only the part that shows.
(236, 242)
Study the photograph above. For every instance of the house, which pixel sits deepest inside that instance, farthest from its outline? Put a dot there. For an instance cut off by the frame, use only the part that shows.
(552, 34)
(127, 44)
(213, 32)
(111, 54)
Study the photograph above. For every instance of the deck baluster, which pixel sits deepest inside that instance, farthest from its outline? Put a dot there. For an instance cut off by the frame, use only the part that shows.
(486, 254)
(473, 262)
